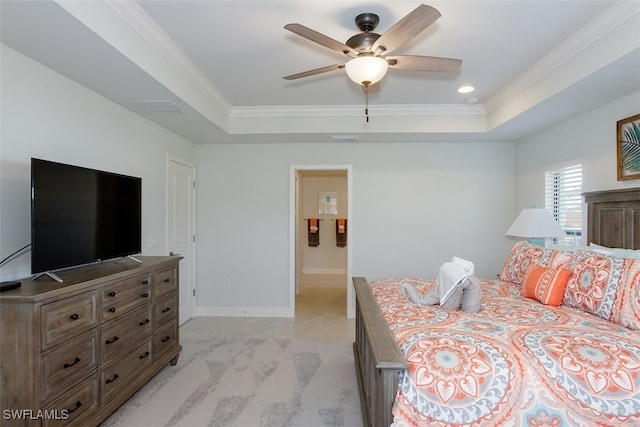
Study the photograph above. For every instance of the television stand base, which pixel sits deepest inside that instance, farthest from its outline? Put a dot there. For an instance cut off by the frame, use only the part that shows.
(47, 273)
(134, 259)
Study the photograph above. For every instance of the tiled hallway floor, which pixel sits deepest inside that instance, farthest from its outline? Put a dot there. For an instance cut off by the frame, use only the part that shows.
(320, 315)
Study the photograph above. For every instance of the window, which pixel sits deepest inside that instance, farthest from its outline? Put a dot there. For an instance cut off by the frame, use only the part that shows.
(563, 198)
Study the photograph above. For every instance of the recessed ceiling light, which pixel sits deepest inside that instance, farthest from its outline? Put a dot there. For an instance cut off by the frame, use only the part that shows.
(466, 89)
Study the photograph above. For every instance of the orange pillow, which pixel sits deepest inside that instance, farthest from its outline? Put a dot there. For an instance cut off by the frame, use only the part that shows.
(545, 285)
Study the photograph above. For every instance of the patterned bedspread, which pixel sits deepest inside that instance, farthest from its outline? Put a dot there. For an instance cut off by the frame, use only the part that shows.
(515, 363)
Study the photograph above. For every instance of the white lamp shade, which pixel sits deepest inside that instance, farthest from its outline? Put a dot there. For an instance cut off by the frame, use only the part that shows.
(535, 223)
(366, 70)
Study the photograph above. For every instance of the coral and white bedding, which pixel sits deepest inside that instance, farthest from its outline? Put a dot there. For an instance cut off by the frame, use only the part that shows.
(515, 363)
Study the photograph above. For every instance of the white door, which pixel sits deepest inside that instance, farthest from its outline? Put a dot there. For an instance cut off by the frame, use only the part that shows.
(181, 229)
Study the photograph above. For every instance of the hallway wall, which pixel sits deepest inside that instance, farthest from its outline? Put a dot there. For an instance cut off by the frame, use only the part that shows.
(326, 258)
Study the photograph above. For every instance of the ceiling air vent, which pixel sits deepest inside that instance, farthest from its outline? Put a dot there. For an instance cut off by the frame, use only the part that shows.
(156, 106)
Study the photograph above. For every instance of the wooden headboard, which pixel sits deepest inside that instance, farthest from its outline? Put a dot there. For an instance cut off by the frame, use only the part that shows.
(613, 218)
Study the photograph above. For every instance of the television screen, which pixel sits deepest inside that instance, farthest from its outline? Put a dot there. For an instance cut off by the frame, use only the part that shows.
(81, 215)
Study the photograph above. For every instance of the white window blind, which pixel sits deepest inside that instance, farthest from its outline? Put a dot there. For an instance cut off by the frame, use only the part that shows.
(563, 198)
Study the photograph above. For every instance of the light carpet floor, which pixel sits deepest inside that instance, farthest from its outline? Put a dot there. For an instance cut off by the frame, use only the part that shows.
(250, 382)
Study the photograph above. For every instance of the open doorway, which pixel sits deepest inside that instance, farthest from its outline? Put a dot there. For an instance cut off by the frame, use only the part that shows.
(320, 275)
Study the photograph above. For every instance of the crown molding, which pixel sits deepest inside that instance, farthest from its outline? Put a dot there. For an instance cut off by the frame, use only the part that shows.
(606, 22)
(131, 31)
(356, 110)
(139, 20)
(141, 23)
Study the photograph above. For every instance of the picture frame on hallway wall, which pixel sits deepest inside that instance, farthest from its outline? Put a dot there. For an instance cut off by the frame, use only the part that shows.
(328, 203)
(628, 146)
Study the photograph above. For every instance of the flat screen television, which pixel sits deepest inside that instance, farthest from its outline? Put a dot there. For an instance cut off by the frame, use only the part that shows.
(81, 216)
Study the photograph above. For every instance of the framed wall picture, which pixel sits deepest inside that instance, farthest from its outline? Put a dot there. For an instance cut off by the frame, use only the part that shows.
(328, 203)
(628, 143)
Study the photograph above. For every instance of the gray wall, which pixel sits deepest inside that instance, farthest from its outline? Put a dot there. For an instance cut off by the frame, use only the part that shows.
(414, 206)
(589, 139)
(45, 115)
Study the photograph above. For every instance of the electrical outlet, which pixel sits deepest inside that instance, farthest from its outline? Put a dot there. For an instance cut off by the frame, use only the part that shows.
(226, 283)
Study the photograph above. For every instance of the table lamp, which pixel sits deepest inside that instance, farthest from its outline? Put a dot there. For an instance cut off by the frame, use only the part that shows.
(535, 224)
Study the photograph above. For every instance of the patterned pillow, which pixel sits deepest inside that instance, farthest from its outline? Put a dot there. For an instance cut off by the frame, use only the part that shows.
(545, 285)
(593, 283)
(522, 256)
(554, 258)
(626, 302)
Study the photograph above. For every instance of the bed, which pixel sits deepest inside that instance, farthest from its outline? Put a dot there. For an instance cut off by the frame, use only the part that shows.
(517, 361)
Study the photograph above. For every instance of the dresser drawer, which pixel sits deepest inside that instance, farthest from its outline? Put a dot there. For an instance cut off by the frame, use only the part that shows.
(68, 317)
(121, 297)
(165, 338)
(134, 327)
(164, 309)
(76, 402)
(164, 281)
(68, 364)
(122, 368)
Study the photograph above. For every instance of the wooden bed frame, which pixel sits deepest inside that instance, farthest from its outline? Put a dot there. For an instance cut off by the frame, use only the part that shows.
(613, 221)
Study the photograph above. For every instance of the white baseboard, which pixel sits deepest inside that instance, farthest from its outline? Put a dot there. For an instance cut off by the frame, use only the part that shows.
(244, 312)
(324, 271)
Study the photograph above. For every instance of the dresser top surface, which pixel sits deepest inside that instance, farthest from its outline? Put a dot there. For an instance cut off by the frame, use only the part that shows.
(86, 276)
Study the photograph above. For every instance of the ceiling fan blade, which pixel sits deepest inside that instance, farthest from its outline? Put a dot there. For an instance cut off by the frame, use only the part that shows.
(423, 63)
(406, 29)
(314, 72)
(320, 38)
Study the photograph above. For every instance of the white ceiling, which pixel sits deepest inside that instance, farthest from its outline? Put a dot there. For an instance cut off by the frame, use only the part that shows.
(533, 63)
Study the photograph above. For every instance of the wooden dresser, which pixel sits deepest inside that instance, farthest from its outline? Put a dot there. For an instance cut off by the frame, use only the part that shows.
(71, 353)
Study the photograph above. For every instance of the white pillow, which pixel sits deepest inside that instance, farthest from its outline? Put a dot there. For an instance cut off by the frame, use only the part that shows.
(569, 248)
(603, 249)
(617, 252)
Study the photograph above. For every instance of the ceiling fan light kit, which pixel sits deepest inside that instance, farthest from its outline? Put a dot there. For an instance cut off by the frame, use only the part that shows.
(366, 70)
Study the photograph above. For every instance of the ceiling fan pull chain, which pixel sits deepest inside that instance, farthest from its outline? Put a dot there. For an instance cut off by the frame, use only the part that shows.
(366, 98)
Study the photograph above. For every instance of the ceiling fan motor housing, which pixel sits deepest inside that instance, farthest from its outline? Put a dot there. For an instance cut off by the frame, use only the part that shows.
(363, 42)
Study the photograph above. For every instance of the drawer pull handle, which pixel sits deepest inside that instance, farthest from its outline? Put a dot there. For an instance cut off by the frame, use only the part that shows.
(110, 380)
(145, 282)
(167, 280)
(78, 405)
(112, 340)
(68, 365)
(166, 309)
(74, 316)
(165, 339)
(112, 294)
(145, 295)
(112, 310)
(142, 356)
(144, 322)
